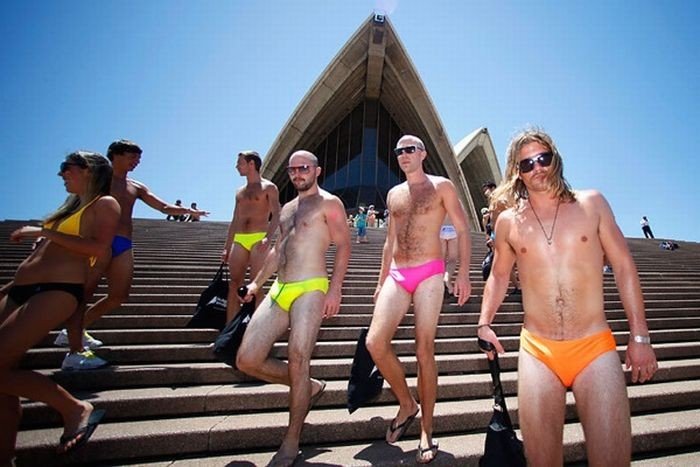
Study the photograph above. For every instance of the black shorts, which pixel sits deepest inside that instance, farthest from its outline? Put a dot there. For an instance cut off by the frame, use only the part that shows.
(20, 294)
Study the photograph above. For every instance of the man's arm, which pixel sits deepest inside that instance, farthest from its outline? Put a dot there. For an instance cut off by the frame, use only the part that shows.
(459, 219)
(640, 355)
(150, 198)
(387, 251)
(340, 235)
(269, 267)
(232, 229)
(497, 283)
(273, 199)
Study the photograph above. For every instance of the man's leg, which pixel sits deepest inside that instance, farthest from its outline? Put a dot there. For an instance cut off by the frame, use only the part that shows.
(427, 303)
(75, 324)
(120, 274)
(257, 259)
(268, 323)
(603, 408)
(305, 320)
(541, 409)
(238, 260)
(392, 304)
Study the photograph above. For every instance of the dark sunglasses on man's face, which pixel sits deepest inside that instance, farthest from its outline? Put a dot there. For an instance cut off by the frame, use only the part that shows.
(66, 165)
(406, 149)
(302, 169)
(526, 165)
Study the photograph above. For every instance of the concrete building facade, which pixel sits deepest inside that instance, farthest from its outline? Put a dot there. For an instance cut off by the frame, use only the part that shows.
(353, 115)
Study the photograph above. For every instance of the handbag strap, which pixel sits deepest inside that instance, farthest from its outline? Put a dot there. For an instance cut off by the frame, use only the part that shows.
(499, 398)
(222, 273)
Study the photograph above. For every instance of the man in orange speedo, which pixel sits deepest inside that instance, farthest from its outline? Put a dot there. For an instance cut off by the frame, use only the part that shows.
(558, 238)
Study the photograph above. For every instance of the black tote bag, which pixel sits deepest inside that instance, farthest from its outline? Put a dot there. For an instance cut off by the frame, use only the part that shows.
(210, 312)
(502, 447)
(229, 340)
(365, 379)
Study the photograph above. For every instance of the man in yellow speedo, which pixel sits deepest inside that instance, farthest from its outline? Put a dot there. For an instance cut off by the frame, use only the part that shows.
(255, 220)
(300, 298)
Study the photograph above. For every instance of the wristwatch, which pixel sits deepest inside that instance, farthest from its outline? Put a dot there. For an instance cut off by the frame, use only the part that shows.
(642, 339)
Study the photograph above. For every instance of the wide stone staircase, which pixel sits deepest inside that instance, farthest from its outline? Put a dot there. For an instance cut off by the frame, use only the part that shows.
(169, 402)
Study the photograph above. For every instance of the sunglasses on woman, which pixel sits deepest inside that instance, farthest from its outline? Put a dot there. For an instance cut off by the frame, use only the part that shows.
(66, 165)
(526, 165)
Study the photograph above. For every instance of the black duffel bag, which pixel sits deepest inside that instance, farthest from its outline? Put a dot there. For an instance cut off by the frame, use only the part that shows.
(210, 312)
(229, 340)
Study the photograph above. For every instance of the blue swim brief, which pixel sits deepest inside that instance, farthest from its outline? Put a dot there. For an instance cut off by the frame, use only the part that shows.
(120, 245)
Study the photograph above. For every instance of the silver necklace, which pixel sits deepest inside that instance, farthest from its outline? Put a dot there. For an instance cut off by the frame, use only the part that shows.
(551, 232)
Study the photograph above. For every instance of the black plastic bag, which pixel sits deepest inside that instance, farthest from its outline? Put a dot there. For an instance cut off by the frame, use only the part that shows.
(229, 340)
(502, 447)
(486, 265)
(365, 379)
(210, 312)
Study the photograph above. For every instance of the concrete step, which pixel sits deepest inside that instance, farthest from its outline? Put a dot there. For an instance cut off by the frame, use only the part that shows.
(327, 428)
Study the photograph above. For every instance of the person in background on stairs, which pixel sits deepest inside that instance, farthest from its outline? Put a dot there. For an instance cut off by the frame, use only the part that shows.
(256, 217)
(361, 225)
(174, 217)
(117, 265)
(412, 270)
(495, 210)
(646, 228)
(47, 288)
(559, 238)
(301, 297)
(450, 253)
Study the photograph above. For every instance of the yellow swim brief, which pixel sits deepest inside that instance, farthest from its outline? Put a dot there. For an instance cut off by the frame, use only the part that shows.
(284, 293)
(248, 240)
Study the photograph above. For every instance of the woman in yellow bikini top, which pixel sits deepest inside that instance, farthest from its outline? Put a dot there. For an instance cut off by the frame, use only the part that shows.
(48, 287)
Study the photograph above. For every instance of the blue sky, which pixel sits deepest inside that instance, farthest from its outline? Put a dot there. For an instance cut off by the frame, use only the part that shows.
(614, 82)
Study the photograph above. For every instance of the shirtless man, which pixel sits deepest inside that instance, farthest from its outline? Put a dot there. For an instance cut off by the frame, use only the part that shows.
(558, 238)
(300, 298)
(118, 266)
(412, 270)
(255, 220)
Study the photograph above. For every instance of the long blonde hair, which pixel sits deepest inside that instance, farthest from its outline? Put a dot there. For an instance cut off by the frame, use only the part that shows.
(99, 185)
(512, 189)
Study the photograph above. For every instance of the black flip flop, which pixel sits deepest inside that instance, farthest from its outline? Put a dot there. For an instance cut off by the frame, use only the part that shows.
(419, 455)
(402, 428)
(86, 432)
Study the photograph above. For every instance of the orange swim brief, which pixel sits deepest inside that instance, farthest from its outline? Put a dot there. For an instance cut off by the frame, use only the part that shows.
(567, 358)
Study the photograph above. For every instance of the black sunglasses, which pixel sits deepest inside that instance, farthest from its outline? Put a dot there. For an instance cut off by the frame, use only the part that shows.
(544, 159)
(65, 165)
(406, 149)
(302, 169)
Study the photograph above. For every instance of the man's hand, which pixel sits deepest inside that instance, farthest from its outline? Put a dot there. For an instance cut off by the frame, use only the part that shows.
(249, 294)
(642, 360)
(263, 245)
(462, 288)
(487, 334)
(331, 307)
(376, 293)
